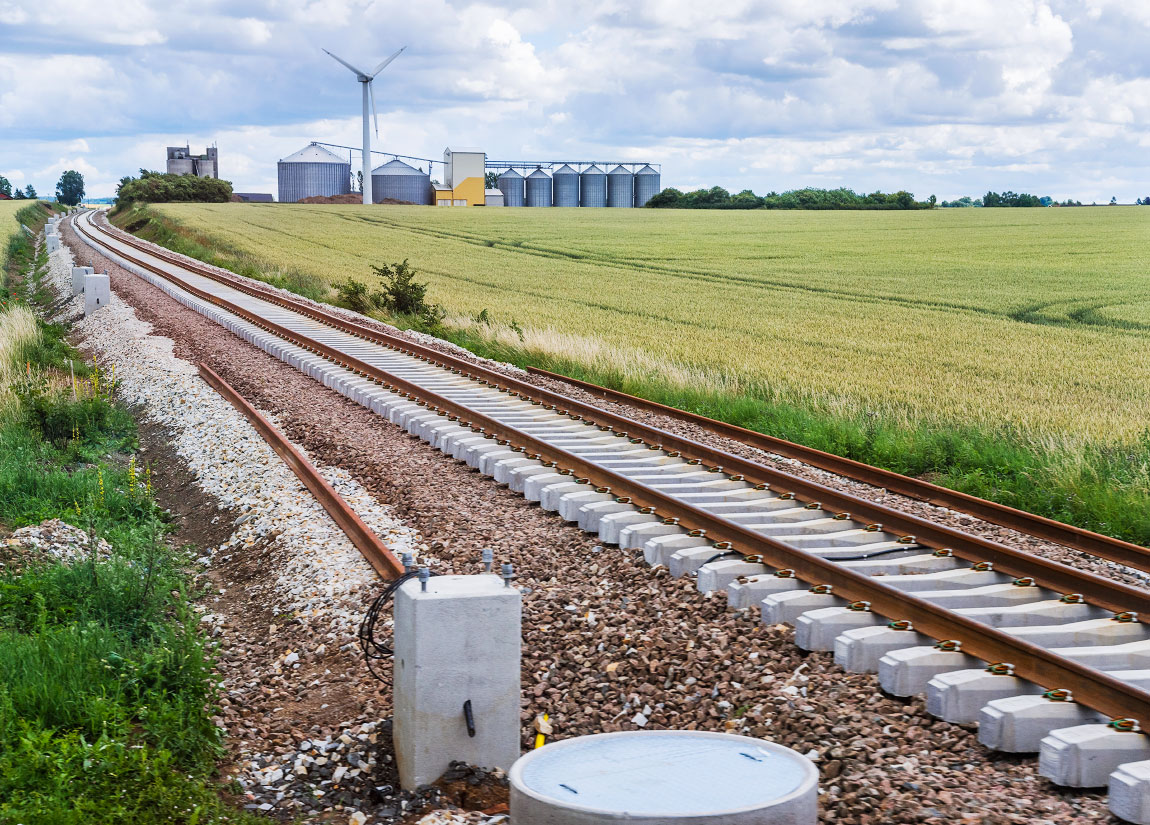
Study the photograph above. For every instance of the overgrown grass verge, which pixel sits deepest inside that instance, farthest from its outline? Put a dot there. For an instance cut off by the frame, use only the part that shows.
(1101, 487)
(143, 222)
(1106, 489)
(19, 249)
(106, 687)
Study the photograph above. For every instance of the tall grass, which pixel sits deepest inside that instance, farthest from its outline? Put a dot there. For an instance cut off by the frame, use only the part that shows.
(19, 332)
(106, 687)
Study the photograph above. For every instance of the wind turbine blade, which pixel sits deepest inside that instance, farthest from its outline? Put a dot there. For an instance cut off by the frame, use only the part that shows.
(345, 63)
(374, 116)
(383, 65)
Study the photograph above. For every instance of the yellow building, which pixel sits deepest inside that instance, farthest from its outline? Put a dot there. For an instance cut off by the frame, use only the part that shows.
(463, 181)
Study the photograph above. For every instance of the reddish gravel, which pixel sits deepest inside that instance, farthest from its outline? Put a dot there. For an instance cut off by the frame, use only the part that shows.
(606, 637)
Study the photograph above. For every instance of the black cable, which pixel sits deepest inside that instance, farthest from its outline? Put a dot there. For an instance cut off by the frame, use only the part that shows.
(866, 556)
(373, 649)
(718, 556)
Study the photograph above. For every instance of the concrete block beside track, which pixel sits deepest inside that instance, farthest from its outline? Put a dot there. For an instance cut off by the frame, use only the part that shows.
(718, 574)
(1129, 788)
(960, 695)
(785, 608)
(97, 292)
(860, 650)
(658, 550)
(685, 561)
(1018, 724)
(752, 591)
(612, 524)
(907, 672)
(1084, 756)
(590, 515)
(78, 274)
(636, 536)
(817, 629)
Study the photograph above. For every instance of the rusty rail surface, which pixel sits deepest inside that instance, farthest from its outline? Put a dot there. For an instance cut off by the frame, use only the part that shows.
(374, 550)
(1091, 688)
(1096, 544)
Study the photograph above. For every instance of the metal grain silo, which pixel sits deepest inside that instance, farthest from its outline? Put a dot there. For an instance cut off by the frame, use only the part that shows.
(646, 185)
(511, 185)
(565, 185)
(538, 188)
(592, 187)
(397, 181)
(313, 171)
(620, 187)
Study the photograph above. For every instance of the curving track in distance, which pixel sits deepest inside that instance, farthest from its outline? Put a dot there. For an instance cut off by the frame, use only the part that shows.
(982, 628)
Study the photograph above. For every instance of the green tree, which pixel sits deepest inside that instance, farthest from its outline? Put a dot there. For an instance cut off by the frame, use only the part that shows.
(154, 187)
(29, 192)
(5, 186)
(70, 188)
(490, 180)
(932, 200)
(1114, 200)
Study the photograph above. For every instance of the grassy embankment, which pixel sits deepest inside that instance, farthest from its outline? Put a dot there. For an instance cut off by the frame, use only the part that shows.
(1005, 353)
(105, 685)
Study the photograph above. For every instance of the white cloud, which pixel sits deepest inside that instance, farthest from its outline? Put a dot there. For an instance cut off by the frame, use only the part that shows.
(928, 95)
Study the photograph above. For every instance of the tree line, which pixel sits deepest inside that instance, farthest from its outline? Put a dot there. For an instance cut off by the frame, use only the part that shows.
(69, 189)
(719, 198)
(163, 187)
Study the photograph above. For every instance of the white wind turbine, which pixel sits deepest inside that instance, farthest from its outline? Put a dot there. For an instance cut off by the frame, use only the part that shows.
(365, 78)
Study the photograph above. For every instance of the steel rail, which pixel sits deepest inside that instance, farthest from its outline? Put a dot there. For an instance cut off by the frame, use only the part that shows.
(1060, 577)
(1091, 688)
(1077, 538)
(378, 555)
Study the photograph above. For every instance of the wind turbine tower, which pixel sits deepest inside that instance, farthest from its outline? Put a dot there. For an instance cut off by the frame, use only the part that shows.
(366, 78)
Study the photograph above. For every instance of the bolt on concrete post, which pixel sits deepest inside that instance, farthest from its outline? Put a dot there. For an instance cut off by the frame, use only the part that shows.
(97, 293)
(456, 675)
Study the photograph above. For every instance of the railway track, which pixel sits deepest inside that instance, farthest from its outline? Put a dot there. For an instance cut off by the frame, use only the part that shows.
(1046, 658)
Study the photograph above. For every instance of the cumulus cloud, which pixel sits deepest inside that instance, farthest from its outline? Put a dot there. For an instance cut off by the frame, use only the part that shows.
(1049, 96)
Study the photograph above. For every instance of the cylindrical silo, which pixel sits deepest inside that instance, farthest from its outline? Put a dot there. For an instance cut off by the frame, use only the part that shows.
(592, 187)
(646, 185)
(181, 166)
(565, 182)
(313, 171)
(538, 188)
(396, 181)
(620, 187)
(511, 185)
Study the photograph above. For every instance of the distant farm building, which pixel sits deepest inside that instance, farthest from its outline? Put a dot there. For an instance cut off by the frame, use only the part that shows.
(311, 172)
(315, 171)
(181, 161)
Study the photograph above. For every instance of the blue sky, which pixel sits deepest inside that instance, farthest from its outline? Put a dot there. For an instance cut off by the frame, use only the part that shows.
(939, 97)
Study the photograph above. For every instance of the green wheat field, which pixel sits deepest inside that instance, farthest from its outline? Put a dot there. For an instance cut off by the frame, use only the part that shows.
(875, 334)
